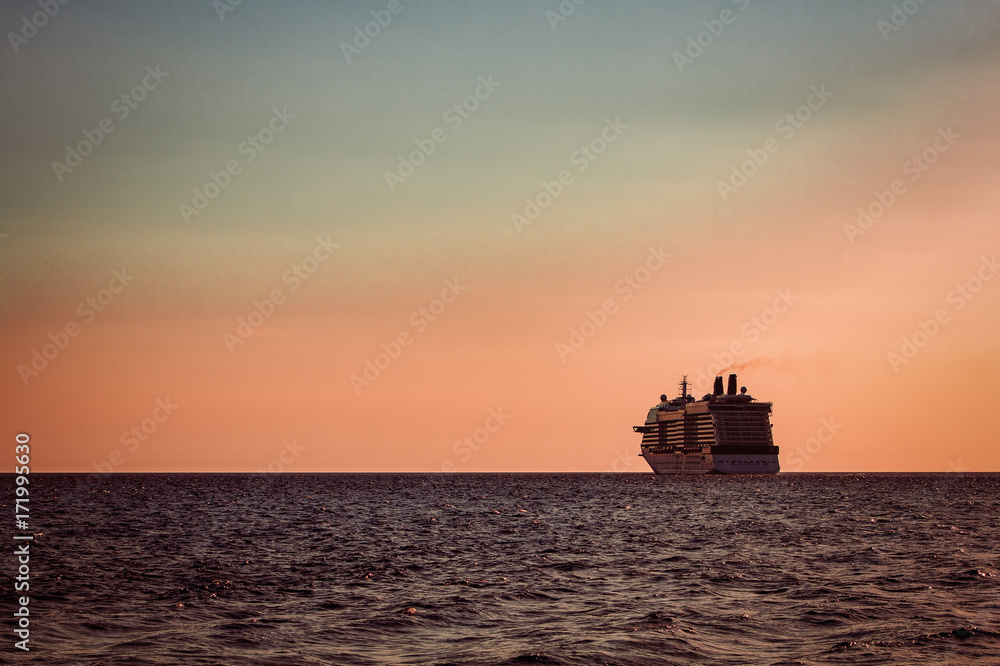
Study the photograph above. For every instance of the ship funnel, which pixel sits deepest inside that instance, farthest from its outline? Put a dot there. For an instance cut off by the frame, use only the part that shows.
(718, 386)
(731, 390)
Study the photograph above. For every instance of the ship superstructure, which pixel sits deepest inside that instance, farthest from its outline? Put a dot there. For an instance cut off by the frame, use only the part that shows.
(723, 433)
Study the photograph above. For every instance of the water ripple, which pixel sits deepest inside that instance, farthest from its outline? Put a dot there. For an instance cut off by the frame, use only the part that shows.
(515, 569)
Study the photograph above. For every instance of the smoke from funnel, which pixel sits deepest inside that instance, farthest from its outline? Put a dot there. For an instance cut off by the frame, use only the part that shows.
(752, 363)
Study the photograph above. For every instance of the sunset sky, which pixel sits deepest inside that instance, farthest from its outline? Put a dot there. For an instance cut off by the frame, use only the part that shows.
(539, 219)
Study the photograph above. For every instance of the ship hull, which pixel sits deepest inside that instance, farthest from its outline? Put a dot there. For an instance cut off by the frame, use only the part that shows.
(674, 463)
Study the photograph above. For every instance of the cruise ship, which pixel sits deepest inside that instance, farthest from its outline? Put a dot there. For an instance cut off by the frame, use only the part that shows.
(723, 433)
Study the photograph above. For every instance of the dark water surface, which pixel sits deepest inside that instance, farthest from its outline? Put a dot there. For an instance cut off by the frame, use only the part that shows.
(511, 569)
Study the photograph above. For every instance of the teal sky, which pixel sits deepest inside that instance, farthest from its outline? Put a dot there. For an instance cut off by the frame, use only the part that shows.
(607, 59)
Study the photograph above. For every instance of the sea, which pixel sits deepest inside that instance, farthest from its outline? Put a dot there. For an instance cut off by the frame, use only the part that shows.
(494, 569)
